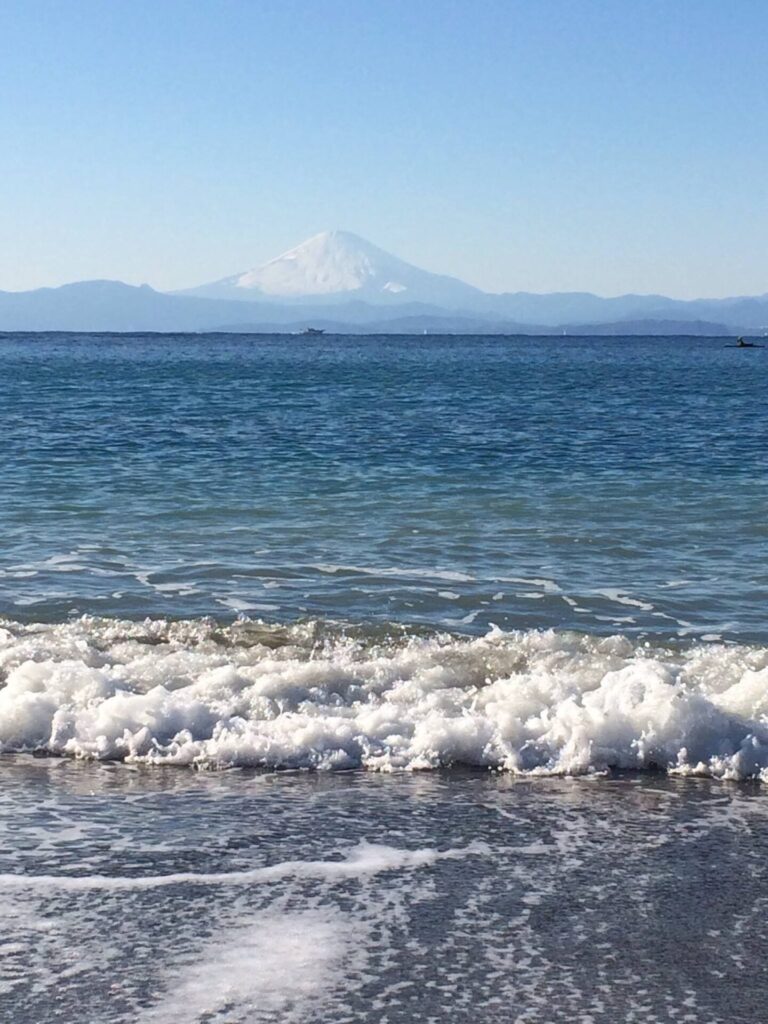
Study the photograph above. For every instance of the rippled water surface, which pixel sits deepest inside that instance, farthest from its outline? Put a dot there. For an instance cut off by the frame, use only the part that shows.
(594, 484)
(521, 582)
(465, 898)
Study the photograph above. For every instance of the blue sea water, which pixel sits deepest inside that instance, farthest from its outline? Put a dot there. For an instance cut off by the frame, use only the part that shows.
(466, 639)
(596, 484)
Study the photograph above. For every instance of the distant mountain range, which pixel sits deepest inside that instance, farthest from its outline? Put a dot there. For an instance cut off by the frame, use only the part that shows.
(340, 282)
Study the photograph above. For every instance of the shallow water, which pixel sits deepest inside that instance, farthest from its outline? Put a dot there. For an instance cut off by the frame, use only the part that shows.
(165, 896)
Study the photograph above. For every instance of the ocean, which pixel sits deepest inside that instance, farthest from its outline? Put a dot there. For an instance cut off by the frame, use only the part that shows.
(383, 679)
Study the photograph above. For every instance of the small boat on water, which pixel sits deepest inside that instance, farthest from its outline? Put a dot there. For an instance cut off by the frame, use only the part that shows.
(740, 343)
(313, 330)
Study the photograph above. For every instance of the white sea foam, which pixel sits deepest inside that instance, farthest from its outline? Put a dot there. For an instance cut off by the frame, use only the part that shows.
(401, 572)
(273, 964)
(363, 859)
(307, 696)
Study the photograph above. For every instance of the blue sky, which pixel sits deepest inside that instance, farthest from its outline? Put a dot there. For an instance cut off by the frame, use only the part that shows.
(541, 145)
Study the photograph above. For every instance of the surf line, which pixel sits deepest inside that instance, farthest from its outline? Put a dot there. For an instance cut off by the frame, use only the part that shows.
(364, 859)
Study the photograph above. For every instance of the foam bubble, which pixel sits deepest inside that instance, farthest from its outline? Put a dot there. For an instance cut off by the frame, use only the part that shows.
(274, 964)
(363, 859)
(322, 697)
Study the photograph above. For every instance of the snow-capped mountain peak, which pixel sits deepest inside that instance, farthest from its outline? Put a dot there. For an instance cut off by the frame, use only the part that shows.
(339, 266)
(331, 262)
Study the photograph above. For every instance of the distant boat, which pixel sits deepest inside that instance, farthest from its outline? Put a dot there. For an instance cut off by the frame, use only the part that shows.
(313, 330)
(740, 343)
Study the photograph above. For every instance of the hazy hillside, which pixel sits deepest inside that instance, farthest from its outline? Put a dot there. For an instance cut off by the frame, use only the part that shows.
(340, 282)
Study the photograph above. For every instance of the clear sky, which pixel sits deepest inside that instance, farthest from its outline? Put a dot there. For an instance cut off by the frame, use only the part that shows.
(600, 145)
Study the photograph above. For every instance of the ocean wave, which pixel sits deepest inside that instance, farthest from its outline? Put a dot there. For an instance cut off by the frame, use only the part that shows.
(324, 696)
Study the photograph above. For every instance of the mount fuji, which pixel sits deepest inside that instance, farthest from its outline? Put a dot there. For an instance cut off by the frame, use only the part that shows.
(338, 266)
(341, 270)
(338, 282)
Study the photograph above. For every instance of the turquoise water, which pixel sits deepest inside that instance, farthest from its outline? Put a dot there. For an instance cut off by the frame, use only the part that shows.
(473, 631)
(593, 484)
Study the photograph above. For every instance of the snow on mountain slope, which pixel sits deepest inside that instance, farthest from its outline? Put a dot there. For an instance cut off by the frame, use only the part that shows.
(333, 261)
(338, 265)
(338, 268)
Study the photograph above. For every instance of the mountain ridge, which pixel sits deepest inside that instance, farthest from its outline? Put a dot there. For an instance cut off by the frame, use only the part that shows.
(115, 307)
(338, 266)
(339, 278)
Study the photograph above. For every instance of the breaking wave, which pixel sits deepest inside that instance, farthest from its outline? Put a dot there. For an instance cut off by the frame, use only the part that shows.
(324, 696)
